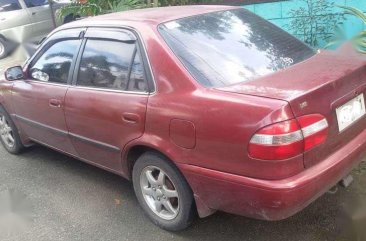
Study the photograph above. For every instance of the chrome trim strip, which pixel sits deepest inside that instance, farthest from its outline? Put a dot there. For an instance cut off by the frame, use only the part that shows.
(314, 128)
(65, 133)
(78, 157)
(109, 90)
(30, 81)
(95, 143)
(37, 124)
(283, 139)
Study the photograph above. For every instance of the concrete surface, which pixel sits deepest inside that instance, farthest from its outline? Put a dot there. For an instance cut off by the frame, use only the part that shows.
(71, 200)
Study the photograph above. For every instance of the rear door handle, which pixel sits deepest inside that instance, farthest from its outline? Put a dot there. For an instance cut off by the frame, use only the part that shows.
(2, 19)
(34, 13)
(130, 118)
(55, 103)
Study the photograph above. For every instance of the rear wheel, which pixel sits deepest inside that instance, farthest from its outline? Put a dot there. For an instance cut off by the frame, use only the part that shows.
(9, 135)
(3, 49)
(163, 192)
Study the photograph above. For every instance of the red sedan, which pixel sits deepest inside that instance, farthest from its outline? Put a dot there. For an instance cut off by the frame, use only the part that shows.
(204, 108)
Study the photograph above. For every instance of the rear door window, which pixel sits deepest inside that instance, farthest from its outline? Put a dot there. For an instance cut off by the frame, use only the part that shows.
(228, 47)
(9, 5)
(110, 64)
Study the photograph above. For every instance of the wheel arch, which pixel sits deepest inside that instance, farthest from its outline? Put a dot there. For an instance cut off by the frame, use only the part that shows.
(137, 150)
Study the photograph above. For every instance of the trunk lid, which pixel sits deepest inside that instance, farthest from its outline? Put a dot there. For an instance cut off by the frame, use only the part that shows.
(318, 85)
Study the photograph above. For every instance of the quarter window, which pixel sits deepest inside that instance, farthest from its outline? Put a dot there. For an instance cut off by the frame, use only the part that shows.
(54, 65)
(137, 81)
(9, 5)
(107, 64)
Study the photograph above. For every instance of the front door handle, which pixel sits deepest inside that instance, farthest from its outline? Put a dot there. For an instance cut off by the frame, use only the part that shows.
(55, 103)
(131, 118)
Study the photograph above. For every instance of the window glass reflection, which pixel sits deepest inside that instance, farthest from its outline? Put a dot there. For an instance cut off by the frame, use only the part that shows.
(9, 5)
(35, 3)
(228, 47)
(137, 82)
(105, 64)
(54, 65)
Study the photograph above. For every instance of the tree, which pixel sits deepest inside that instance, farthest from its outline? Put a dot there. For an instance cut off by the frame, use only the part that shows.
(84, 8)
(359, 40)
(96, 7)
(315, 22)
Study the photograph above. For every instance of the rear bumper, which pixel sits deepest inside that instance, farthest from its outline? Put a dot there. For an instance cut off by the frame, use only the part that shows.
(271, 199)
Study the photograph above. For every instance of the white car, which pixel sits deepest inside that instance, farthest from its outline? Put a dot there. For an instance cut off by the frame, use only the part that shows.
(27, 21)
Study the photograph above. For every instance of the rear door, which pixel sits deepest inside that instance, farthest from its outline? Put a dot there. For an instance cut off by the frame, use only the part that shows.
(106, 106)
(41, 17)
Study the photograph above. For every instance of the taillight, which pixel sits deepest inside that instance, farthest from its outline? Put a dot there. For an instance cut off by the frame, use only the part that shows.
(288, 139)
(314, 130)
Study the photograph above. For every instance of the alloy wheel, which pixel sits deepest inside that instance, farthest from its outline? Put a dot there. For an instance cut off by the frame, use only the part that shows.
(159, 192)
(6, 132)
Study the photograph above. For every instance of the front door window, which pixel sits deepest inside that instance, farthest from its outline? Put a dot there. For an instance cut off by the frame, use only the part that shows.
(54, 65)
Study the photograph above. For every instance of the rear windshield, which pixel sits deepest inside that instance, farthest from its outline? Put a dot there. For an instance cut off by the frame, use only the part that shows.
(228, 47)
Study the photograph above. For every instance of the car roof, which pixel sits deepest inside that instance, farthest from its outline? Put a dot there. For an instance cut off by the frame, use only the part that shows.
(153, 16)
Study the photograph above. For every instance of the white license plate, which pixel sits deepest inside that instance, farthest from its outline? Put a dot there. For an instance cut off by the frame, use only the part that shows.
(350, 112)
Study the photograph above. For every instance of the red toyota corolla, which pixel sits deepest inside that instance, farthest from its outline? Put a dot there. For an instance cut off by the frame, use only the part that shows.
(204, 108)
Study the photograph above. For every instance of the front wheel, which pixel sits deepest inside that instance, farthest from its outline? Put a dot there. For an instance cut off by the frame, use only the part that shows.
(9, 135)
(162, 192)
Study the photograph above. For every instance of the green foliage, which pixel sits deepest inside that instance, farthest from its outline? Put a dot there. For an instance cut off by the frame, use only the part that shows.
(315, 23)
(124, 5)
(97, 7)
(183, 2)
(359, 41)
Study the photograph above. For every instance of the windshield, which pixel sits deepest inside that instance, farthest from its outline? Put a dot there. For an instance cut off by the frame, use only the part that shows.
(228, 47)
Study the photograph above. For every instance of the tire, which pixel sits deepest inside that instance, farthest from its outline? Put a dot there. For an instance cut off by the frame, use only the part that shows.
(174, 185)
(7, 127)
(3, 48)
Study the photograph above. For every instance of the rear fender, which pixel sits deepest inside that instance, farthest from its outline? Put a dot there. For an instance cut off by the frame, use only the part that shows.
(153, 142)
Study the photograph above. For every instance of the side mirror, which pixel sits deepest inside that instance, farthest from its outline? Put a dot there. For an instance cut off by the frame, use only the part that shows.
(14, 73)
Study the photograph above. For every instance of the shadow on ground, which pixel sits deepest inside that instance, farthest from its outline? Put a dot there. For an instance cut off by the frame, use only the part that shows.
(75, 201)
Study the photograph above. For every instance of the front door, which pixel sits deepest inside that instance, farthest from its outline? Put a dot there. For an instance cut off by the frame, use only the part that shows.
(106, 106)
(40, 99)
